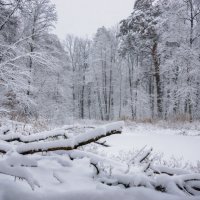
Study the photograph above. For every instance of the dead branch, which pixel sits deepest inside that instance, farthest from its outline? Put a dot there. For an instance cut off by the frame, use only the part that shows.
(66, 145)
(102, 144)
(45, 135)
(96, 167)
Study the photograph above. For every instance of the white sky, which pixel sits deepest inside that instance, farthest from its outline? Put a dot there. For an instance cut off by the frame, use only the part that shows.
(83, 17)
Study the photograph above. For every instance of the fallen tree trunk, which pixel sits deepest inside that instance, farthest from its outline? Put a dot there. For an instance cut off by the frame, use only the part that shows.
(35, 137)
(64, 144)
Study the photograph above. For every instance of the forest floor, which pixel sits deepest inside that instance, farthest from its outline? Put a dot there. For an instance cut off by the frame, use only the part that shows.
(60, 178)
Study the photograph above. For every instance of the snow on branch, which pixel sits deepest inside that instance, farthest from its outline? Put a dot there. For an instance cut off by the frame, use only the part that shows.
(167, 170)
(71, 143)
(96, 159)
(160, 178)
(12, 167)
(14, 163)
(36, 142)
(7, 135)
(5, 147)
(141, 158)
(32, 138)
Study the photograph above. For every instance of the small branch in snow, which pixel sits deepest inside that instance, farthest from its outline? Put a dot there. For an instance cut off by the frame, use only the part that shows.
(96, 167)
(144, 156)
(55, 175)
(102, 144)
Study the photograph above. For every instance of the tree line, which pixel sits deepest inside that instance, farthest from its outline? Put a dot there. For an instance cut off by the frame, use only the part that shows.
(145, 68)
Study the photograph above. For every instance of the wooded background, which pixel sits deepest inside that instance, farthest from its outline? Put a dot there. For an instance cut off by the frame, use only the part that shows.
(145, 68)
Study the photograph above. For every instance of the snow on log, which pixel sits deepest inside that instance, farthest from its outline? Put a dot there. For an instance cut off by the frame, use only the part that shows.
(179, 184)
(34, 137)
(71, 143)
(19, 172)
(14, 159)
(167, 170)
(127, 180)
(96, 159)
(117, 175)
(10, 137)
(5, 147)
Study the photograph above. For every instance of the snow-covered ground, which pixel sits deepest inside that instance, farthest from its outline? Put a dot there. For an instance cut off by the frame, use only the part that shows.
(181, 144)
(60, 178)
(73, 181)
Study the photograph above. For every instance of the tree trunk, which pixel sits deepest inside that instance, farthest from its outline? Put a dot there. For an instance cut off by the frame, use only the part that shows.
(157, 79)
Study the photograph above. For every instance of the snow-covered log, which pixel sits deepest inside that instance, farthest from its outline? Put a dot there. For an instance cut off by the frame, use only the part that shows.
(96, 159)
(14, 162)
(28, 146)
(34, 137)
(72, 143)
(10, 136)
(5, 147)
(18, 172)
(179, 184)
(167, 170)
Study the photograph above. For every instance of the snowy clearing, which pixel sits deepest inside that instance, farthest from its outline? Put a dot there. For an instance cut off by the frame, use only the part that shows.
(169, 142)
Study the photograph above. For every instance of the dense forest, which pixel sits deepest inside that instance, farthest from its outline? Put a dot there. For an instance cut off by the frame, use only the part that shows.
(145, 68)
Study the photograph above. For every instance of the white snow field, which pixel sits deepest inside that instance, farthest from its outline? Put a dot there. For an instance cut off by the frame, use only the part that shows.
(181, 144)
(54, 176)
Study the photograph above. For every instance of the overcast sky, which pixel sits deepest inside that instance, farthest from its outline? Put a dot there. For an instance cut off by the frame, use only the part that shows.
(83, 17)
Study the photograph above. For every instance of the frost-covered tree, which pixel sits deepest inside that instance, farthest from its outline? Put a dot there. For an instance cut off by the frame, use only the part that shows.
(180, 57)
(147, 69)
(104, 59)
(153, 37)
(13, 73)
(77, 51)
(33, 62)
(140, 45)
(39, 17)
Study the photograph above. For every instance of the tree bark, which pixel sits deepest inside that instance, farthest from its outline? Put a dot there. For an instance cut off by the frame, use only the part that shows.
(157, 79)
